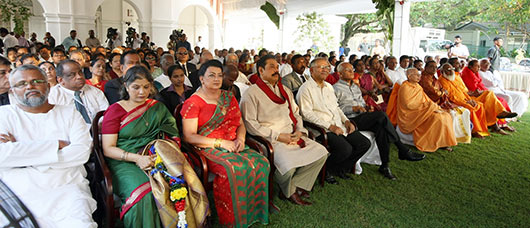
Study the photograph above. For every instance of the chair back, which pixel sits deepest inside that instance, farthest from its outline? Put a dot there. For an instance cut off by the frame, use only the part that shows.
(101, 183)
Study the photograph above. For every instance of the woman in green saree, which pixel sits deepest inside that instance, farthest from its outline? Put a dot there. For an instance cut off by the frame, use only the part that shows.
(128, 126)
(212, 121)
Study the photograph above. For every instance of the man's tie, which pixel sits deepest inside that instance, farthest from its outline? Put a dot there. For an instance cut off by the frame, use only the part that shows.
(303, 78)
(185, 69)
(80, 106)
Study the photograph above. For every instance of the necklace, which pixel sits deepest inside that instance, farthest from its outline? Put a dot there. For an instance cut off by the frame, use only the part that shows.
(146, 123)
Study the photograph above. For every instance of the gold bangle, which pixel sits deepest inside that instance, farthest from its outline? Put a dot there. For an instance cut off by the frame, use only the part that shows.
(123, 155)
(217, 143)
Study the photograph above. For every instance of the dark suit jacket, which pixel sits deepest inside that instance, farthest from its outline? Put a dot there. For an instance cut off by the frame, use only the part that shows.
(112, 90)
(190, 67)
(172, 99)
(293, 82)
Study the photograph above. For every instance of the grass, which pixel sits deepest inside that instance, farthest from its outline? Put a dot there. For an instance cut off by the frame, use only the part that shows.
(482, 184)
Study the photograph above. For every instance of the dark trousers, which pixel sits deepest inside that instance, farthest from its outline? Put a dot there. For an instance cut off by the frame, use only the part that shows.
(345, 150)
(385, 133)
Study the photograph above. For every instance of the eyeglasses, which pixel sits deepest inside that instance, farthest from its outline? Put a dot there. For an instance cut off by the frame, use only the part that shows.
(323, 67)
(150, 58)
(182, 53)
(34, 82)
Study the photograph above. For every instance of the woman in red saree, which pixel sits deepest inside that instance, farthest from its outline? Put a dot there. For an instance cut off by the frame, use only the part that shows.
(212, 121)
(368, 85)
(99, 76)
(128, 126)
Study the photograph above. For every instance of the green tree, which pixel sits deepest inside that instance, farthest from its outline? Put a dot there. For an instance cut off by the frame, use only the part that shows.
(385, 13)
(448, 14)
(512, 15)
(16, 11)
(313, 28)
(359, 23)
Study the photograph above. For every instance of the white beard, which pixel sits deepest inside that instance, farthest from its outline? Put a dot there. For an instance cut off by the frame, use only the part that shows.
(449, 77)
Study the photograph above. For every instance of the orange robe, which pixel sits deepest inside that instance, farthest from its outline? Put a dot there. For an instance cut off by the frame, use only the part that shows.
(416, 114)
(473, 82)
(391, 108)
(484, 113)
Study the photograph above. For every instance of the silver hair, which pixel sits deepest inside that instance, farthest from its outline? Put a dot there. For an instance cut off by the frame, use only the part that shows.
(23, 68)
(163, 59)
(233, 55)
(314, 62)
(23, 100)
(340, 67)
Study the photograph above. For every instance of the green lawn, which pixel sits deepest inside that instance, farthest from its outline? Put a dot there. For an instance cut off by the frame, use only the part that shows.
(482, 184)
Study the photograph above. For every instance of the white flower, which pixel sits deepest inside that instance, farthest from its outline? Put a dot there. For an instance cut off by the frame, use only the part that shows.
(182, 220)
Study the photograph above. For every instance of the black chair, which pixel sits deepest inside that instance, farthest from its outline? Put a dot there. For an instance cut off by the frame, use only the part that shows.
(101, 182)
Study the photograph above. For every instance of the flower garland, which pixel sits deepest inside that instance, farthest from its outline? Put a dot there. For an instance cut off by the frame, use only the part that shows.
(177, 185)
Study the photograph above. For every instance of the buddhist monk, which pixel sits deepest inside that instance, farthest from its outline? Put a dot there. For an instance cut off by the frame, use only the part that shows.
(484, 106)
(473, 82)
(430, 125)
(432, 87)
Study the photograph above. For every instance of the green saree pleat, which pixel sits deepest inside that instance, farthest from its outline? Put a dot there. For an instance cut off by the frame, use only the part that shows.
(132, 137)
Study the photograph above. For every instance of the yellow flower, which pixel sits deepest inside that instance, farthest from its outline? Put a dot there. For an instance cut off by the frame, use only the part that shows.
(178, 194)
(158, 160)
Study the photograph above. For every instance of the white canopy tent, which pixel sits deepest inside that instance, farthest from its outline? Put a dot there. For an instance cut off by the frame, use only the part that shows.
(245, 10)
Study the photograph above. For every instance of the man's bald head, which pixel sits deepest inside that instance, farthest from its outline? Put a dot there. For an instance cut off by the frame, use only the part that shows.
(484, 64)
(413, 75)
(232, 59)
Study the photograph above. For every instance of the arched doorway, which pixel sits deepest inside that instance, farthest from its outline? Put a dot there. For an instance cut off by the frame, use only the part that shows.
(194, 21)
(117, 14)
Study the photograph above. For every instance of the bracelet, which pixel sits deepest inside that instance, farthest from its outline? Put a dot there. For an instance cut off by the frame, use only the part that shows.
(123, 155)
(217, 143)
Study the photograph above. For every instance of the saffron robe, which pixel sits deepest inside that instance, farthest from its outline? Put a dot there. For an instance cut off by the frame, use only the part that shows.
(484, 113)
(416, 115)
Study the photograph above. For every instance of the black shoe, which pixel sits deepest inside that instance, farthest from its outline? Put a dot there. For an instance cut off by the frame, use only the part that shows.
(411, 156)
(386, 172)
(331, 179)
(506, 114)
(343, 175)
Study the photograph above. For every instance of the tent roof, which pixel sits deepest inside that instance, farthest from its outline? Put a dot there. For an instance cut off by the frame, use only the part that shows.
(294, 7)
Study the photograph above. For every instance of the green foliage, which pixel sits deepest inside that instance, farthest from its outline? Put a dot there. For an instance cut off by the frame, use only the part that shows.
(17, 12)
(270, 10)
(313, 28)
(359, 23)
(481, 184)
(447, 14)
(385, 12)
(511, 15)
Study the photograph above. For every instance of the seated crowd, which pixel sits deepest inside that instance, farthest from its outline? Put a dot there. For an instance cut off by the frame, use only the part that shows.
(50, 101)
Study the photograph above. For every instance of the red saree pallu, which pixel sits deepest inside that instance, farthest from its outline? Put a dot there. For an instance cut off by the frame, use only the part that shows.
(241, 179)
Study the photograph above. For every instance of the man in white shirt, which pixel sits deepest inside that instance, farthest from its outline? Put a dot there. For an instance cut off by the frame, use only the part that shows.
(269, 110)
(286, 67)
(166, 61)
(233, 59)
(8, 39)
(403, 65)
(44, 148)
(318, 105)
(458, 50)
(73, 91)
(517, 101)
(395, 75)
